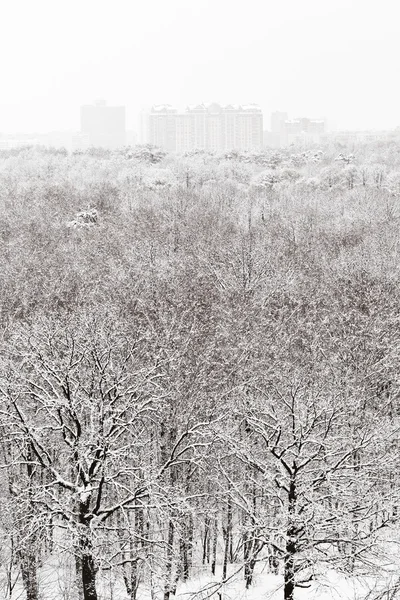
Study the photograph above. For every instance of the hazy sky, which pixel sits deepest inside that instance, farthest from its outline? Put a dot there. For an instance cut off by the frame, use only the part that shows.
(338, 59)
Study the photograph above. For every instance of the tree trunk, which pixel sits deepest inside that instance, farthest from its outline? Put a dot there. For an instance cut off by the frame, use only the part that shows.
(252, 545)
(29, 556)
(88, 577)
(289, 567)
(206, 541)
(248, 563)
(289, 572)
(131, 579)
(9, 571)
(273, 561)
(84, 558)
(134, 580)
(29, 576)
(228, 538)
(214, 546)
(78, 576)
(186, 546)
(168, 566)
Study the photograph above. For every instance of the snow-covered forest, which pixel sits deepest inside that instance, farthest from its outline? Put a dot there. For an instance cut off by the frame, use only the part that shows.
(199, 382)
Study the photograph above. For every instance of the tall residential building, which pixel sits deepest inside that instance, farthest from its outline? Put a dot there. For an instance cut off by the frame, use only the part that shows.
(274, 137)
(162, 127)
(303, 131)
(143, 126)
(206, 126)
(104, 125)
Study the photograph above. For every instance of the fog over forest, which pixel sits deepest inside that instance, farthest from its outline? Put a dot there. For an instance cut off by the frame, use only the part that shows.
(199, 374)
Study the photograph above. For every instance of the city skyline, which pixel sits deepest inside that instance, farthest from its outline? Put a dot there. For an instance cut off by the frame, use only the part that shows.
(309, 58)
(135, 125)
(207, 126)
(133, 122)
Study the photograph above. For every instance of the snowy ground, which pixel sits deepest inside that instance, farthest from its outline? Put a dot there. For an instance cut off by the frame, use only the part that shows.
(332, 586)
(55, 585)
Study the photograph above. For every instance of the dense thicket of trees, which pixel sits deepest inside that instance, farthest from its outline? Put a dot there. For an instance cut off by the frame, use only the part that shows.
(199, 368)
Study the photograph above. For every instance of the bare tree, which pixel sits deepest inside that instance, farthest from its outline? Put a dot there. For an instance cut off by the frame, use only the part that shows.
(82, 398)
(301, 448)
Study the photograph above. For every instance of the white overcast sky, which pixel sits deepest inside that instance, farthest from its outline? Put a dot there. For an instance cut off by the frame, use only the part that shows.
(336, 58)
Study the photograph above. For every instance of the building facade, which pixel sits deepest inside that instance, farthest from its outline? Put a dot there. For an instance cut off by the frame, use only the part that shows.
(274, 137)
(302, 131)
(104, 125)
(206, 126)
(162, 127)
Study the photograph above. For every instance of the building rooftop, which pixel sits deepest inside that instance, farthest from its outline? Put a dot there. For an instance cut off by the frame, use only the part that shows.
(214, 106)
(158, 108)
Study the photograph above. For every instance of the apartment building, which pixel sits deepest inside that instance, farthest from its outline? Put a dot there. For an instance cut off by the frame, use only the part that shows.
(104, 125)
(301, 131)
(206, 126)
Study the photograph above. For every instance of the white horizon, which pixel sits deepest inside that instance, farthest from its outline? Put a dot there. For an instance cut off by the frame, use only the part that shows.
(335, 59)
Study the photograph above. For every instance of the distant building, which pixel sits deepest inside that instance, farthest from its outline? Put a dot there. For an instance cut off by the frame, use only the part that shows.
(104, 125)
(53, 139)
(162, 127)
(303, 131)
(275, 137)
(206, 126)
(350, 137)
(278, 119)
(143, 126)
(8, 142)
